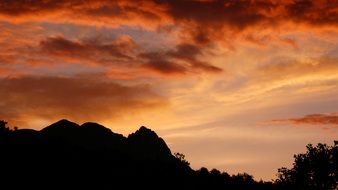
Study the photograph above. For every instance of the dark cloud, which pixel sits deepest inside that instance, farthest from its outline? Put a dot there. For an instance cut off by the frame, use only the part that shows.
(244, 13)
(123, 9)
(206, 21)
(160, 63)
(199, 21)
(185, 51)
(313, 119)
(23, 7)
(210, 20)
(89, 12)
(184, 58)
(313, 12)
(94, 50)
(217, 13)
(189, 53)
(76, 98)
(179, 61)
(237, 14)
(120, 53)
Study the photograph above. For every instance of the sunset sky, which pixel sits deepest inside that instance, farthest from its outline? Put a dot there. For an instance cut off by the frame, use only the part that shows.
(238, 85)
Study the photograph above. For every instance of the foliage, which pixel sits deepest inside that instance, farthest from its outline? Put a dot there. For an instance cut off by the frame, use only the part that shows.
(317, 169)
(3, 128)
(181, 158)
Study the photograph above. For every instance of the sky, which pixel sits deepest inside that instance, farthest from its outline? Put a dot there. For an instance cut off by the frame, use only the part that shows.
(237, 85)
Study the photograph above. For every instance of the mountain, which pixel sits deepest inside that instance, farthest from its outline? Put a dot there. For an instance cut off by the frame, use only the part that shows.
(88, 155)
(66, 155)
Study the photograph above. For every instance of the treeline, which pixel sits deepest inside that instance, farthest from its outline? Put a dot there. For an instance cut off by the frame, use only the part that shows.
(66, 155)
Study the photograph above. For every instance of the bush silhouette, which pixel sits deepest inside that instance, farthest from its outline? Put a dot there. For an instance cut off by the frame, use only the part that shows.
(317, 169)
(181, 158)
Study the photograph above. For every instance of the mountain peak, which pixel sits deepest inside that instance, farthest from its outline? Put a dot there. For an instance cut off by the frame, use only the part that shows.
(143, 128)
(63, 127)
(64, 123)
(63, 120)
(144, 132)
(146, 142)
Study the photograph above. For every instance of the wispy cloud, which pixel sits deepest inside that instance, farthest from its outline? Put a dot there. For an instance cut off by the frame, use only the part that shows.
(312, 119)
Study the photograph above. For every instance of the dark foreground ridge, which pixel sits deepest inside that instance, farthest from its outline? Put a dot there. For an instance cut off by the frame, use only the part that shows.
(66, 155)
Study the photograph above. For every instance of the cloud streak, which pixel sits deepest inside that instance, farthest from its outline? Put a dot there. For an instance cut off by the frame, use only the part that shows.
(179, 61)
(312, 119)
(121, 53)
(120, 50)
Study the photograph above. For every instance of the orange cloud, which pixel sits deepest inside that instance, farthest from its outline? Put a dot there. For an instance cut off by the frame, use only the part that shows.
(294, 70)
(196, 24)
(284, 78)
(313, 119)
(121, 53)
(79, 98)
(4, 71)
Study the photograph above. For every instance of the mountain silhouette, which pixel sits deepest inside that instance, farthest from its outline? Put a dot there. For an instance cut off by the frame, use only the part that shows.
(90, 155)
(66, 155)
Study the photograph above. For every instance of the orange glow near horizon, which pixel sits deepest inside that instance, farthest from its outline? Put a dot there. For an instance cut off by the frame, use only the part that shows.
(236, 85)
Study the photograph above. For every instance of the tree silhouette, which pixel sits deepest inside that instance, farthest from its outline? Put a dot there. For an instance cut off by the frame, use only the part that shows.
(3, 123)
(315, 170)
(181, 158)
(3, 128)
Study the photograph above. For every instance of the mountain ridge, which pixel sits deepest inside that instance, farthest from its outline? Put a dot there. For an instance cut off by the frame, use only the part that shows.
(91, 156)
